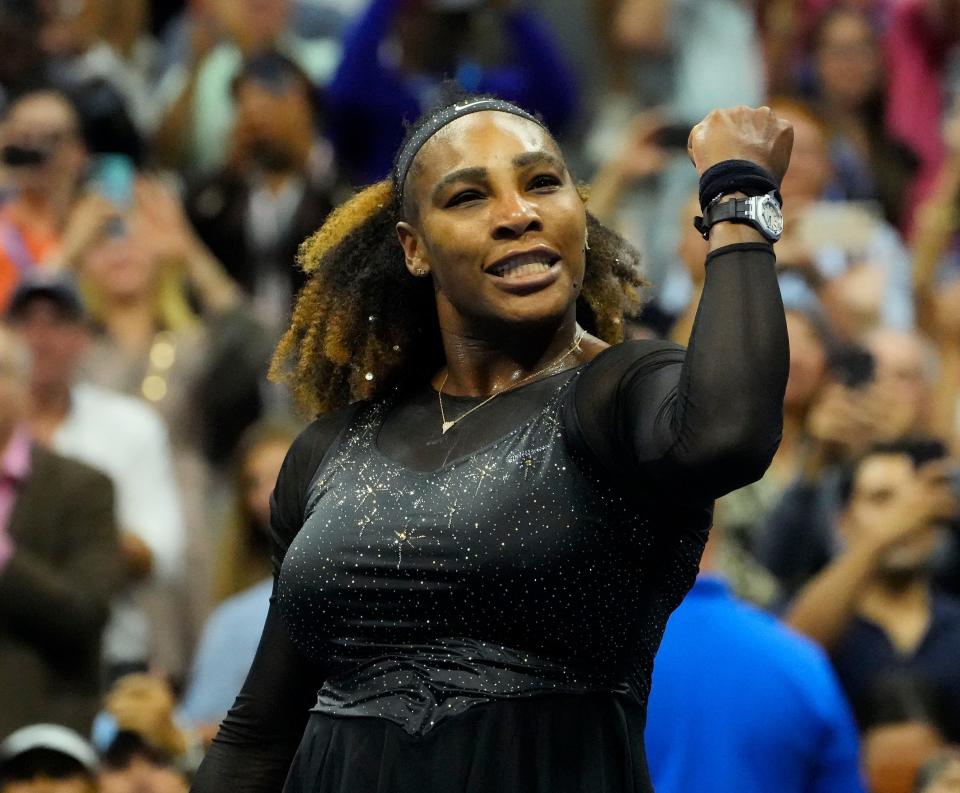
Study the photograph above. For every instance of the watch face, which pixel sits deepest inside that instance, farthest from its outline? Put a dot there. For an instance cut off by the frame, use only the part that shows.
(771, 217)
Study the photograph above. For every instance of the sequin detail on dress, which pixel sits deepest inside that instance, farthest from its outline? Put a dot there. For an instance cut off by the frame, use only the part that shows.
(512, 572)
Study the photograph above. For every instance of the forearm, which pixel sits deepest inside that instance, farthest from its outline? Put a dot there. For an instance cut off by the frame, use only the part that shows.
(729, 410)
(936, 223)
(824, 607)
(256, 743)
(217, 291)
(945, 396)
(244, 766)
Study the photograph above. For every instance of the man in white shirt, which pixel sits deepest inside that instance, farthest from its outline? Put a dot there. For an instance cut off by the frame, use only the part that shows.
(120, 436)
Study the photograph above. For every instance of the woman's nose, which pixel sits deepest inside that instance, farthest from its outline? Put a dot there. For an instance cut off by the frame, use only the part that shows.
(515, 216)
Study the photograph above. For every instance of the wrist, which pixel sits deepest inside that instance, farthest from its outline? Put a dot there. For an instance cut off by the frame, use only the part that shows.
(724, 234)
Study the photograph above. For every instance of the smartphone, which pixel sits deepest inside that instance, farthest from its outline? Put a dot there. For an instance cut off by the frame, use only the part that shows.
(852, 365)
(16, 156)
(672, 136)
(112, 175)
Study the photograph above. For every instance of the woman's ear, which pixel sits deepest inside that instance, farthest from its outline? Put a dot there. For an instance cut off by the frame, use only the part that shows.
(412, 250)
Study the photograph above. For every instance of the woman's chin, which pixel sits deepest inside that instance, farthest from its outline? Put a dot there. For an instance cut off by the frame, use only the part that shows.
(536, 314)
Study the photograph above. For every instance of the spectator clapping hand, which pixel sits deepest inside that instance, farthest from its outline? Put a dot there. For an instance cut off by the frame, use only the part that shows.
(639, 157)
(641, 154)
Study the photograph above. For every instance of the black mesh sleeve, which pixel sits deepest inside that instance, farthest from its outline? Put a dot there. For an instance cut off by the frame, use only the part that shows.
(256, 742)
(707, 420)
(259, 736)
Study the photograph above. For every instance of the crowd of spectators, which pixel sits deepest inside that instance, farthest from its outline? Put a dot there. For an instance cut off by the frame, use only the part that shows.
(160, 162)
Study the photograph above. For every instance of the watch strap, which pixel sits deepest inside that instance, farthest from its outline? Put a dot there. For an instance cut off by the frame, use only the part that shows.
(733, 210)
(727, 210)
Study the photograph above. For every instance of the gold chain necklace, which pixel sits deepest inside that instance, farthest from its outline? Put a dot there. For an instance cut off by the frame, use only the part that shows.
(446, 425)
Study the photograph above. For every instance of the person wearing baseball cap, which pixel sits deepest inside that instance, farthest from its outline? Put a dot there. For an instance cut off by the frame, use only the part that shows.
(47, 758)
(58, 287)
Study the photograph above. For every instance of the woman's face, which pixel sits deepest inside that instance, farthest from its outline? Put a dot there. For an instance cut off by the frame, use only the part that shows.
(498, 223)
(848, 60)
(260, 472)
(119, 267)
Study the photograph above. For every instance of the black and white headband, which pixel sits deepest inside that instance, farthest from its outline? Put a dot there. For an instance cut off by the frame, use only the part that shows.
(438, 122)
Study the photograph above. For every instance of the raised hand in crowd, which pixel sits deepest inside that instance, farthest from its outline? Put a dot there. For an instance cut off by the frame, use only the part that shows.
(163, 228)
(936, 224)
(89, 218)
(839, 423)
(885, 521)
(927, 500)
(843, 422)
(640, 156)
(938, 305)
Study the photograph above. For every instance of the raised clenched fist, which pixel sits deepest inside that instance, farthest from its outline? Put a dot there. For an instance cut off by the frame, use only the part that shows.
(742, 133)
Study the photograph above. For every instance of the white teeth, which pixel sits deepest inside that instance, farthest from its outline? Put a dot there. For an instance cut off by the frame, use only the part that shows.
(534, 268)
(522, 264)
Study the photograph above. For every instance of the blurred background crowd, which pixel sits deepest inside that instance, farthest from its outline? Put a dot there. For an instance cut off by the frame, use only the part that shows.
(160, 162)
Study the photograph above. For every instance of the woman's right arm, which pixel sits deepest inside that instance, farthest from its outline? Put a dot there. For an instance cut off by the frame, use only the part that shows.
(259, 736)
(257, 740)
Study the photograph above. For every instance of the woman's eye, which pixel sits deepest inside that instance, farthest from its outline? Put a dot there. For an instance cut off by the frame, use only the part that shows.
(463, 197)
(544, 180)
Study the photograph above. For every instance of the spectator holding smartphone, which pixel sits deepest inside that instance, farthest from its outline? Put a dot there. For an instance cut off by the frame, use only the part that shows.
(873, 608)
(45, 154)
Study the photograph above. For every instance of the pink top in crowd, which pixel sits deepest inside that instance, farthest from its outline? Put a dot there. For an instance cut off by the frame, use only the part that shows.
(14, 469)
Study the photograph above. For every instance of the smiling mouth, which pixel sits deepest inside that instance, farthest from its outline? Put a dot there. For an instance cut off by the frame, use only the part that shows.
(524, 265)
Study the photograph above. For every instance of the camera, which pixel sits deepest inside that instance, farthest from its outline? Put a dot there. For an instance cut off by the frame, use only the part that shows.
(16, 156)
(852, 365)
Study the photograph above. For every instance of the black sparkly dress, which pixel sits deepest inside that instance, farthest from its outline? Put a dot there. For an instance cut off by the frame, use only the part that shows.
(478, 612)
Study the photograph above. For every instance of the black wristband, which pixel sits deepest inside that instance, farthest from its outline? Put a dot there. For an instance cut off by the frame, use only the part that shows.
(736, 176)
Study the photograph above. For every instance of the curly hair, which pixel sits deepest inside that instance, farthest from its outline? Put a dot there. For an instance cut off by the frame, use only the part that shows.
(363, 325)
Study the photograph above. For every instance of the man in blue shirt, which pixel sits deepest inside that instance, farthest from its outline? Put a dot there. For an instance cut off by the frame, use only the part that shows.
(741, 704)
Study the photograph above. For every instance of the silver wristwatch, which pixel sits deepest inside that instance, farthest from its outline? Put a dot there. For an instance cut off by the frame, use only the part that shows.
(762, 212)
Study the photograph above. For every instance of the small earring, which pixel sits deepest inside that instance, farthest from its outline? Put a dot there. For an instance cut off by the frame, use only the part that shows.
(586, 241)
